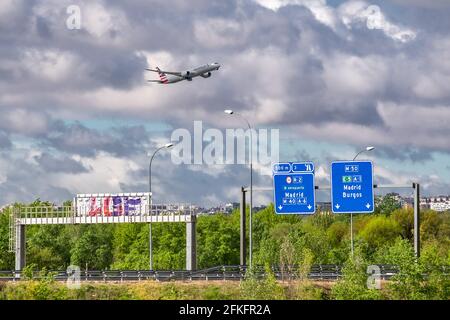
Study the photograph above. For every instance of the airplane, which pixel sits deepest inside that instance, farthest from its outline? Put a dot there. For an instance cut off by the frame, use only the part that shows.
(172, 77)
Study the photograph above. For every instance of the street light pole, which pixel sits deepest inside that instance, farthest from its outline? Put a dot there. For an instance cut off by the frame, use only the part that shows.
(167, 145)
(351, 214)
(230, 112)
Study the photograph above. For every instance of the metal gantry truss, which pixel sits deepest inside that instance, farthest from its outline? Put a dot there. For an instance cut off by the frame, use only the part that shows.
(21, 216)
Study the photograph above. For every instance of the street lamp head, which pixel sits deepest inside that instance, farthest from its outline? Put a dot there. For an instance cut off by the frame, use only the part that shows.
(370, 148)
(228, 111)
(168, 145)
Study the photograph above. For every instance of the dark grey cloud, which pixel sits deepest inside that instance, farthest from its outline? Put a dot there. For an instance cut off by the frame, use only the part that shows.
(50, 163)
(11, 193)
(5, 142)
(43, 28)
(195, 183)
(78, 139)
(278, 67)
(303, 155)
(414, 155)
(24, 180)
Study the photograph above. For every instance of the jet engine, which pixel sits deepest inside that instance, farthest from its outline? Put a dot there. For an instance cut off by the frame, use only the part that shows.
(206, 75)
(186, 75)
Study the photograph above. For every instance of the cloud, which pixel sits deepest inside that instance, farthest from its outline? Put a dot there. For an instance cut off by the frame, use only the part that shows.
(5, 142)
(405, 154)
(50, 163)
(346, 75)
(357, 12)
(435, 4)
(81, 140)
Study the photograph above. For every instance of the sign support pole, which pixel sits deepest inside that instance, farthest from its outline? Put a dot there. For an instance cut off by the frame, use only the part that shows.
(351, 233)
(243, 239)
(416, 187)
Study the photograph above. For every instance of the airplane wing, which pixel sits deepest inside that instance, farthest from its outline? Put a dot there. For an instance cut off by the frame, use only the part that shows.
(166, 72)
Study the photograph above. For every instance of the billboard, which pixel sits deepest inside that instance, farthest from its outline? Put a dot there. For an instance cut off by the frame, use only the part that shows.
(110, 205)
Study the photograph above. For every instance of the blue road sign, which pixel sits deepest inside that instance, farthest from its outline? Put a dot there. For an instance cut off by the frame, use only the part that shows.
(352, 187)
(293, 185)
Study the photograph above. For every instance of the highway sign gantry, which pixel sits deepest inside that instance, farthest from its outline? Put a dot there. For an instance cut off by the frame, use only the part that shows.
(293, 185)
(352, 187)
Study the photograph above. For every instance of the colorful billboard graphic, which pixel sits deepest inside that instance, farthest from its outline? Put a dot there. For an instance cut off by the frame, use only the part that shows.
(107, 205)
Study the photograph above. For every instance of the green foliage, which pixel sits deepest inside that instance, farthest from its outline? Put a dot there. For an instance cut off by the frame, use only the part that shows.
(266, 288)
(27, 271)
(278, 240)
(353, 284)
(405, 219)
(408, 283)
(434, 260)
(52, 290)
(93, 248)
(218, 240)
(379, 231)
(6, 257)
(386, 205)
(337, 233)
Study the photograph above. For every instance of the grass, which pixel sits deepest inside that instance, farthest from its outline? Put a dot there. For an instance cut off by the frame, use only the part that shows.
(153, 290)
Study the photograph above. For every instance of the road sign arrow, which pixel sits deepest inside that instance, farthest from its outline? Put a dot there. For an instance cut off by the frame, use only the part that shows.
(309, 207)
(280, 207)
(337, 206)
(368, 205)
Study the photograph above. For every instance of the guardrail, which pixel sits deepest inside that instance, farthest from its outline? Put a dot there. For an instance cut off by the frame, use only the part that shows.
(317, 272)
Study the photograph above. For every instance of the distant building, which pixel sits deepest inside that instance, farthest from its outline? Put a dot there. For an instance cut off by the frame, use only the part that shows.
(439, 203)
(407, 203)
(259, 208)
(229, 207)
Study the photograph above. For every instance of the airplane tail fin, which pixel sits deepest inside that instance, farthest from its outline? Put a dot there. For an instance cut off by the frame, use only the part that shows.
(162, 76)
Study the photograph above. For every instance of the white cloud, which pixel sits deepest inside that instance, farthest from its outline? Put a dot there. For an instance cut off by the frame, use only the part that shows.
(99, 19)
(9, 11)
(24, 122)
(319, 8)
(219, 32)
(404, 125)
(352, 76)
(107, 175)
(163, 58)
(356, 12)
(53, 65)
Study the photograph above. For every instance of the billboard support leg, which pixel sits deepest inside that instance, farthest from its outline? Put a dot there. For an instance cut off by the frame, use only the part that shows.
(191, 244)
(20, 247)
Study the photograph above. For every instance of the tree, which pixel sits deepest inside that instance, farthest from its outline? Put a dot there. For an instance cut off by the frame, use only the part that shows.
(94, 247)
(353, 284)
(387, 204)
(408, 283)
(405, 219)
(6, 257)
(379, 231)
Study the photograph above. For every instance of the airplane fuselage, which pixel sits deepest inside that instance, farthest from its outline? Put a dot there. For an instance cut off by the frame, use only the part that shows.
(203, 71)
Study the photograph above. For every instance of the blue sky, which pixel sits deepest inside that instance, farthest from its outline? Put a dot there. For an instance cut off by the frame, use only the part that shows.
(332, 76)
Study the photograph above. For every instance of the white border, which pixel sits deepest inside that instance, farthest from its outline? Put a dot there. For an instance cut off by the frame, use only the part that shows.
(296, 173)
(331, 183)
